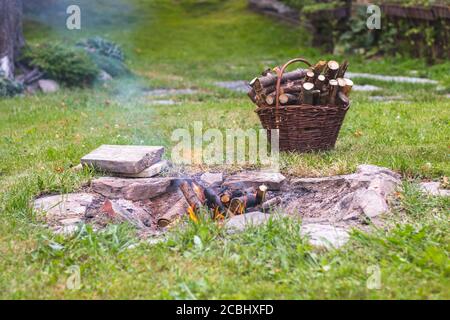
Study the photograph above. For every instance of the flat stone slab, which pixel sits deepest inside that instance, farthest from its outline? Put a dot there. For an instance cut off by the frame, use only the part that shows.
(123, 159)
(398, 79)
(151, 171)
(241, 222)
(130, 189)
(66, 206)
(434, 189)
(323, 235)
(366, 88)
(253, 179)
(237, 86)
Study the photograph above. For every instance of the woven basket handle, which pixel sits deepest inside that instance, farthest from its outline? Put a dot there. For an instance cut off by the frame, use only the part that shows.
(280, 73)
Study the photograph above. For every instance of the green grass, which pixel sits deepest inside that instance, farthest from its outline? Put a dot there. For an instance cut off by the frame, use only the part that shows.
(176, 43)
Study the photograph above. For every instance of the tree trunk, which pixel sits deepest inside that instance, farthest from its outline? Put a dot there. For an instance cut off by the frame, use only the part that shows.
(11, 36)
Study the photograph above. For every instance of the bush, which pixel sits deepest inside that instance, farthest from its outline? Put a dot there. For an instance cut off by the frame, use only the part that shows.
(112, 66)
(70, 66)
(107, 55)
(9, 88)
(103, 47)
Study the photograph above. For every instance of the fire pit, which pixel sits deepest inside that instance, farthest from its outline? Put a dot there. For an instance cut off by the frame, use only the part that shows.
(219, 202)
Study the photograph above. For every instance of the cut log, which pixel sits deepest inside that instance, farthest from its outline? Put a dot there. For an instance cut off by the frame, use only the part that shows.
(348, 86)
(342, 99)
(252, 95)
(316, 97)
(307, 95)
(287, 98)
(271, 80)
(175, 212)
(342, 69)
(332, 91)
(310, 76)
(320, 82)
(319, 67)
(341, 84)
(190, 196)
(331, 70)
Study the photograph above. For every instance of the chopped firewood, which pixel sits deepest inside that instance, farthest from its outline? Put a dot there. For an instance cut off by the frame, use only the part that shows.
(270, 80)
(319, 67)
(317, 85)
(287, 98)
(190, 195)
(271, 204)
(341, 84)
(252, 95)
(333, 89)
(331, 70)
(180, 207)
(307, 95)
(320, 82)
(342, 99)
(342, 69)
(310, 75)
(348, 86)
(261, 193)
(316, 97)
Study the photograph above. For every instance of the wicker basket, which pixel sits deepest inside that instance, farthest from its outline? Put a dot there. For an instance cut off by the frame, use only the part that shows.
(302, 128)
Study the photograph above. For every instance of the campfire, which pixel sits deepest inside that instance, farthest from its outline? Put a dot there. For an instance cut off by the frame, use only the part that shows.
(220, 202)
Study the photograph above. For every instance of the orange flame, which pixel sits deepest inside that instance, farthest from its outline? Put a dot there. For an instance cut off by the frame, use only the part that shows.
(192, 214)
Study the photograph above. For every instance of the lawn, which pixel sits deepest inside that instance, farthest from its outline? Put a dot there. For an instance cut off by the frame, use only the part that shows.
(180, 44)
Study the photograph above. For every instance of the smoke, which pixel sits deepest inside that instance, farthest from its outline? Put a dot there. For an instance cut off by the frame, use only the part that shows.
(96, 15)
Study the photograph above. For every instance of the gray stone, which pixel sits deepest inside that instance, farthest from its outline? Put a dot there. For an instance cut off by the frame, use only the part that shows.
(241, 222)
(64, 207)
(371, 202)
(48, 86)
(151, 171)
(324, 235)
(397, 79)
(212, 179)
(123, 159)
(169, 92)
(237, 86)
(253, 179)
(362, 194)
(366, 88)
(104, 76)
(434, 189)
(131, 189)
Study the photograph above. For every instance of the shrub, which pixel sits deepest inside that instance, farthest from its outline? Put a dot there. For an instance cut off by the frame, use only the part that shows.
(9, 88)
(114, 67)
(70, 66)
(103, 47)
(107, 55)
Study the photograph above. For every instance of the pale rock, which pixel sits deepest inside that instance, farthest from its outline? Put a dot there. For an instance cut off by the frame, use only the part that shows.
(241, 222)
(123, 159)
(63, 207)
(253, 179)
(324, 235)
(104, 76)
(131, 189)
(434, 189)
(371, 203)
(151, 171)
(212, 179)
(48, 86)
